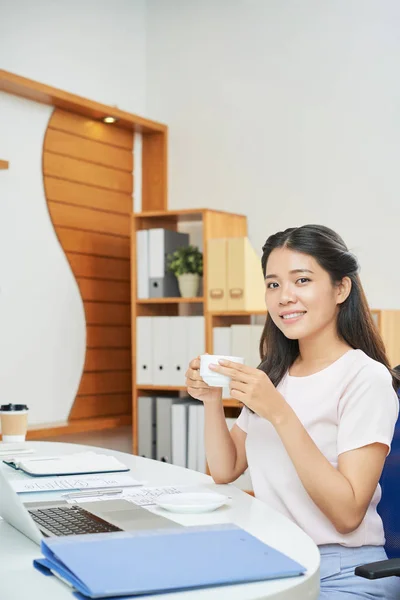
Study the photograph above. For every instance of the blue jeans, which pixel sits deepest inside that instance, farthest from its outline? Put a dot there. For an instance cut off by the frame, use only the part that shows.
(338, 581)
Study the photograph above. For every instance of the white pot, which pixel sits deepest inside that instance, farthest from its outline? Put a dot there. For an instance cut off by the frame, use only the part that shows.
(189, 284)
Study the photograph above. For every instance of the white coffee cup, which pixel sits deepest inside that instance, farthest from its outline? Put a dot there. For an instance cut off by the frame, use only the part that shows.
(211, 377)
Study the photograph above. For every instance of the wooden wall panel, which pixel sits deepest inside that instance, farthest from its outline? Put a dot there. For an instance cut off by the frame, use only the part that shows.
(93, 130)
(101, 405)
(104, 291)
(80, 194)
(67, 215)
(89, 242)
(107, 382)
(59, 142)
(99, 267)
(82, 171)
(107, 359)
(104, 336)
(104, 313)
(87, 168)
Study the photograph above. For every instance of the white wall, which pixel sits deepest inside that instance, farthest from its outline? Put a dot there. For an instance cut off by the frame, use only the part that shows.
(288, 112)
(93, 48)
(42, 320)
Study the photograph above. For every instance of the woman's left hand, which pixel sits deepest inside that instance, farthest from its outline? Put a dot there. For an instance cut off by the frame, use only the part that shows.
(253, 388)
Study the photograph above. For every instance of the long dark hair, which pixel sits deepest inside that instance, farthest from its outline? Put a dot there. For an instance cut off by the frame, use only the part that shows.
(354, 321)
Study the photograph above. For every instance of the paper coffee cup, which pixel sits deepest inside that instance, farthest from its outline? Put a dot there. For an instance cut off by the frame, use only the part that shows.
(211, 377)
(14, 422)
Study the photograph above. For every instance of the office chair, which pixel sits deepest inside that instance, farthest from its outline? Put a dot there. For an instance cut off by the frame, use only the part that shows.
(389, 511)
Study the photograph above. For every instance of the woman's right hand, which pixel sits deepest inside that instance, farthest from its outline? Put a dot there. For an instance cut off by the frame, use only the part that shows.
(197, 387)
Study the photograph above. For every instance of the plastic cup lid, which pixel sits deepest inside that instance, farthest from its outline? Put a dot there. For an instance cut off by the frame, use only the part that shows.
(13, 407)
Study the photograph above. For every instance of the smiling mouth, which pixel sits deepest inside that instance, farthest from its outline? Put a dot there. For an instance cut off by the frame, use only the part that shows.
(293, 316)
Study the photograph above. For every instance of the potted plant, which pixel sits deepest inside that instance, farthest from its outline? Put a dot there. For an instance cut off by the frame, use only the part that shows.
(186, 263)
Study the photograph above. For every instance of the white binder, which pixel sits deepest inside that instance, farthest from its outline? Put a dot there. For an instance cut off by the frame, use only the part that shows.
(144, 358)
(161, 351)
(255, 337)
(178, 341)
(241, 342)
(222, 340)
(146, 427)
(196, 337)
(162, 242)
(179, 433)
(164, 429)
(142, 263)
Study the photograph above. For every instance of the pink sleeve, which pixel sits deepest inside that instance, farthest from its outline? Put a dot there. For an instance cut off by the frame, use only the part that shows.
(368, 410)
(243, 419)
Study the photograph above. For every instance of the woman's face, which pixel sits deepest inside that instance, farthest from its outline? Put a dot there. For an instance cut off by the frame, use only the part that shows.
(299, 294)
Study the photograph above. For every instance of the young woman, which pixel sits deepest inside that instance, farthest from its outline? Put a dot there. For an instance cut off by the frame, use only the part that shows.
(319, 411)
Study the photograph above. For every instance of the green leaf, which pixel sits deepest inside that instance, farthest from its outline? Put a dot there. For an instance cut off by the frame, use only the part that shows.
(186, 259)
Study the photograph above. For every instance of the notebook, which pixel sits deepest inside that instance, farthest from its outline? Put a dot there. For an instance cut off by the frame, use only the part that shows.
(154, 561)
(81, 463)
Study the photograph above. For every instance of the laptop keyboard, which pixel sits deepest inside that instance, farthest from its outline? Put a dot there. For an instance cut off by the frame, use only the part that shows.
(70, 520)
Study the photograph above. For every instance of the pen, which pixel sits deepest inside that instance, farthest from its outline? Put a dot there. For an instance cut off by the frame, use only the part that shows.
(90, 493)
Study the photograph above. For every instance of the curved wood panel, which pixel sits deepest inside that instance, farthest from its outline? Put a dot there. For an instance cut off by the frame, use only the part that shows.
(98, 290)
(92, 130)
(88, 181)
(103, 359)
(75, 217)
(99, 267)
(83, 171)
(89, 242)
(80, 194)
(105, 313)
(66, 144)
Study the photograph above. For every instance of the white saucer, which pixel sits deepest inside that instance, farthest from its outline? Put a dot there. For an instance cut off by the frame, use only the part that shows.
(191, 502)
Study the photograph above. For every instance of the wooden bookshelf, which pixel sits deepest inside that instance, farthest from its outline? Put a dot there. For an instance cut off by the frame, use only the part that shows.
(214, 224)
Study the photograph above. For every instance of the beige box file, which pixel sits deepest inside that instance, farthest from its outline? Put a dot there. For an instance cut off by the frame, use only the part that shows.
(217, 274)
(245, 279)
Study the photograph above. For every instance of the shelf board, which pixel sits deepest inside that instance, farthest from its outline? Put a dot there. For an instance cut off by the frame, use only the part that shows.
(229, 402)
(3, 164)
(189, 214)
(197, 299)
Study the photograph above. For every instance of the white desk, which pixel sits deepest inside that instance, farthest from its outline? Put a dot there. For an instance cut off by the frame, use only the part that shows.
(20, 581)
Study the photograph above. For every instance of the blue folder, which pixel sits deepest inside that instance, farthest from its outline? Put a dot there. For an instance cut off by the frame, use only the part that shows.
(107, 565)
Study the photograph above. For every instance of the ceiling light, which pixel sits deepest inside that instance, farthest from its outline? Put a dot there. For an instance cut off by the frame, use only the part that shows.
(109, 119)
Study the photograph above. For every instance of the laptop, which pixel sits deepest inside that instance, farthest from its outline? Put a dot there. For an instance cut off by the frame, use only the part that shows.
(37, 520)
